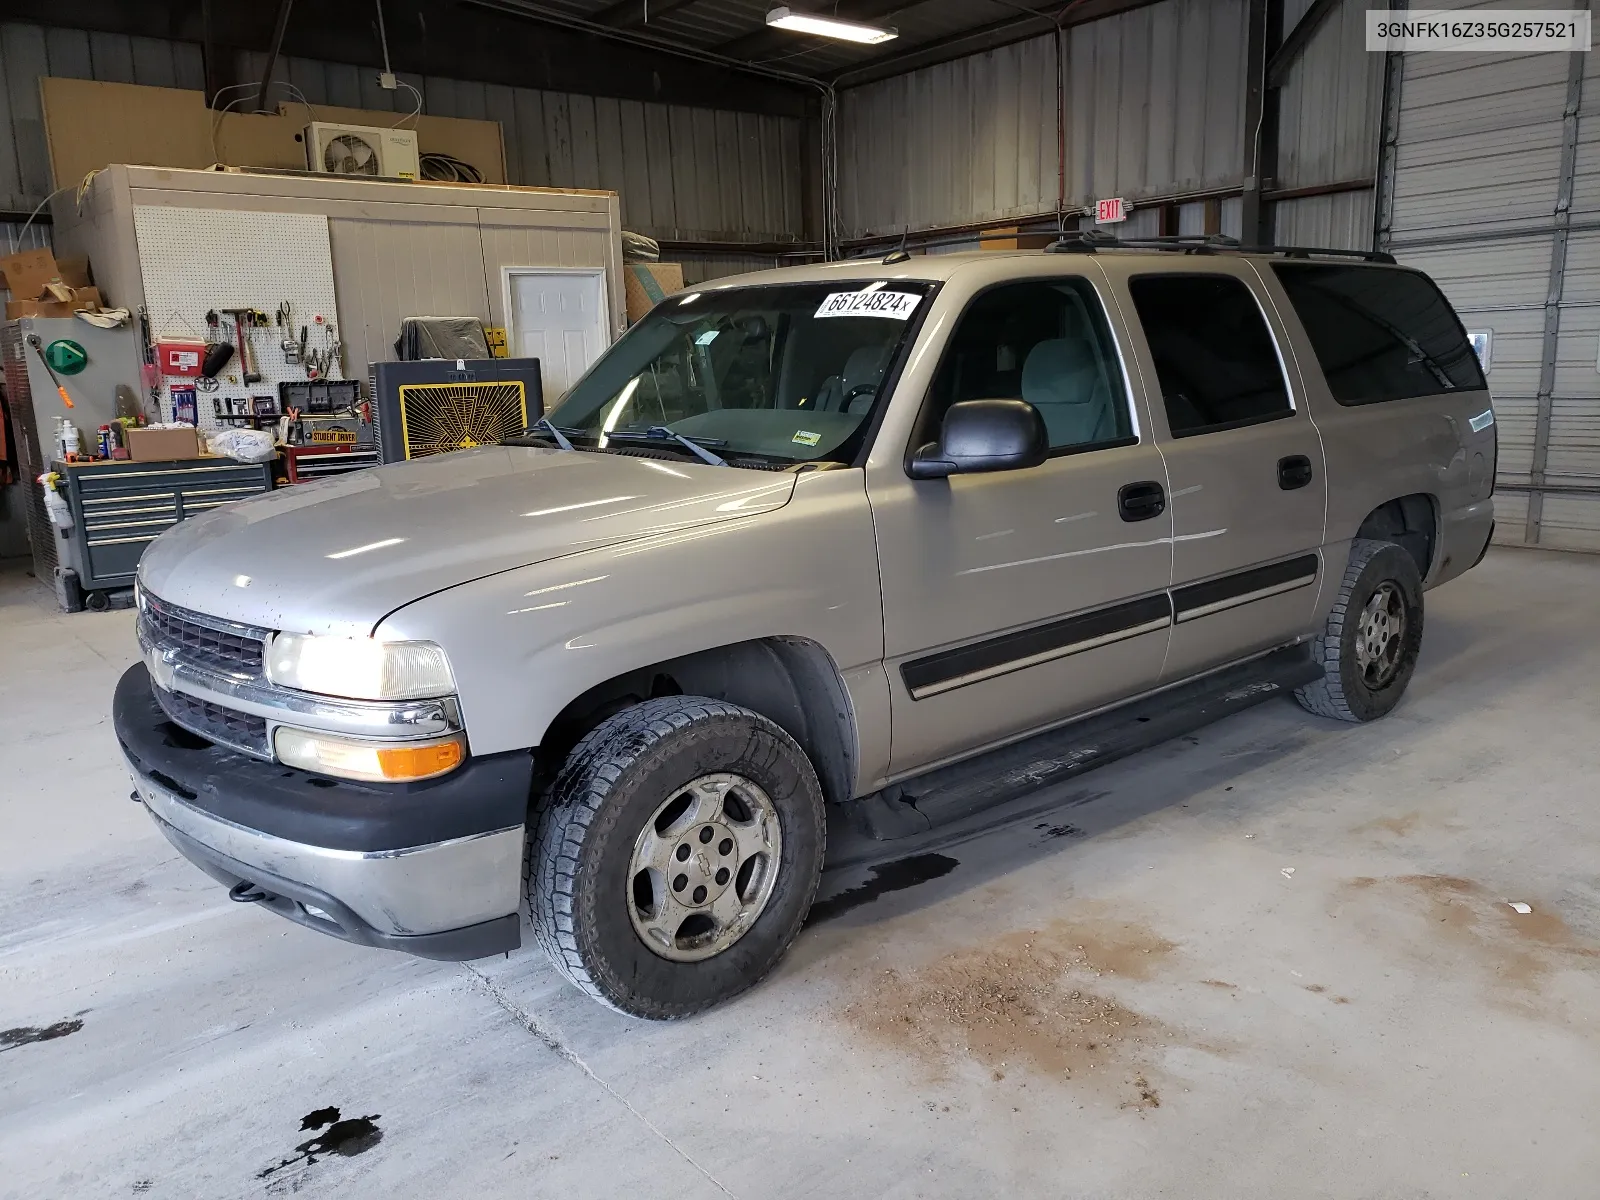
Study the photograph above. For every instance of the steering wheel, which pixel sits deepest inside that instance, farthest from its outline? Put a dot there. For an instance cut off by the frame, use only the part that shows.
(860, 389)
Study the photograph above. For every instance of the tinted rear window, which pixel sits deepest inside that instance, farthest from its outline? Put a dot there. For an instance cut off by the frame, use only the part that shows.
(1213, 353)
(1380, 334)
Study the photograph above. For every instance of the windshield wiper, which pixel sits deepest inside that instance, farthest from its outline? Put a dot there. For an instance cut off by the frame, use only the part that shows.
(660, 433)
(557, 434)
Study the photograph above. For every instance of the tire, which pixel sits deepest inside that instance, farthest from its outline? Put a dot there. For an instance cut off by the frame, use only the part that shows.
(1356, 686)
(621, 782)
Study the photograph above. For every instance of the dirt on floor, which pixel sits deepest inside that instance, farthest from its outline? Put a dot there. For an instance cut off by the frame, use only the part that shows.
(1028, 1001)
(1517, 949)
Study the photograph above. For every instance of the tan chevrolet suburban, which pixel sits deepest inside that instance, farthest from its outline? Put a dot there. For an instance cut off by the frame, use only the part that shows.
(819, 559)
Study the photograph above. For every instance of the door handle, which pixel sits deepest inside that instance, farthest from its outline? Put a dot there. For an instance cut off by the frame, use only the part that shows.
(1294, 472)
(1141, 501)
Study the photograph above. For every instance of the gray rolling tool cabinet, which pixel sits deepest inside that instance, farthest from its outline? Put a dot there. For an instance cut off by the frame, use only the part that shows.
(119, 507)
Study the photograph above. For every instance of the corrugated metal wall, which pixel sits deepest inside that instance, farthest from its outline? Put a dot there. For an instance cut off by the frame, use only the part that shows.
(1480, 202)
(1154, 104)
(682, 173)
(1329, 113)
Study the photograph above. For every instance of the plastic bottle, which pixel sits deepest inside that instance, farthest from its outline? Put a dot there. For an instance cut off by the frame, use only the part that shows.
(70, 441)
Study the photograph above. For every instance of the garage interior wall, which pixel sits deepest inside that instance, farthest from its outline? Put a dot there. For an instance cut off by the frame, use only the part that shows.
(682, 173)
(1153, 110)
(1329, 116)
(1493, 187)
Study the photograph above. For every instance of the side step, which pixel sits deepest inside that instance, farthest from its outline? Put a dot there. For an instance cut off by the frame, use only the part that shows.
(891, 823)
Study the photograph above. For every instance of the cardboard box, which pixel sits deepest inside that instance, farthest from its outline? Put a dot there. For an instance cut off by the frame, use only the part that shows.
(1009, 238)
(154, 445)
(646, 284)
(83, 300)
(29, 272)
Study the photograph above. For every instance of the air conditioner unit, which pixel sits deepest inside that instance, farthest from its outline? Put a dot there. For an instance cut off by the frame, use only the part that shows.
(361, 150)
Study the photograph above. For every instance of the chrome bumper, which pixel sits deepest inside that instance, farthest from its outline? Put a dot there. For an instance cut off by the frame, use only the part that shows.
(396, 895)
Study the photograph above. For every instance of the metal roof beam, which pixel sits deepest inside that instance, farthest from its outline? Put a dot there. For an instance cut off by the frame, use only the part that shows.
(627, 14)
(1297, 39)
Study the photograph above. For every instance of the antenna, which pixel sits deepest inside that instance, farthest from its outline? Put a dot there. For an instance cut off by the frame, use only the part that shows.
(899, 254)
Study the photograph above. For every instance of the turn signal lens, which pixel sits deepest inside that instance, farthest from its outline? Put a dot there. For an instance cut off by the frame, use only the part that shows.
(373, 762)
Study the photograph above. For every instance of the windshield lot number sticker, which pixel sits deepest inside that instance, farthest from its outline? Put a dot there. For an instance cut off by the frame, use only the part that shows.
(806, 438)
(897, 306)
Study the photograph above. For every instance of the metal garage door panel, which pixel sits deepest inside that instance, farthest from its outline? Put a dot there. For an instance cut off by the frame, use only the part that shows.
(1581, 284)
(1574, 455)
(1498, 179)
(1510, 517)
(1576, 350)
(1470, 93)
(1480, 142)
(1570, 522)
(1498, 275)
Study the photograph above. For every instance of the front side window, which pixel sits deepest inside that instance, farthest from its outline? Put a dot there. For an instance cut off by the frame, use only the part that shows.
(785, 372)
(1043, 341)
(1214, 356)
(1379, 334)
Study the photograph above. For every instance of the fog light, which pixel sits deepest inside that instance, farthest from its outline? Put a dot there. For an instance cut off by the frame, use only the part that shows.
(376, 762)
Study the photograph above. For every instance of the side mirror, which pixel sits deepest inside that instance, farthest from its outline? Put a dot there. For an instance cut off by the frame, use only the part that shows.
(984, 435)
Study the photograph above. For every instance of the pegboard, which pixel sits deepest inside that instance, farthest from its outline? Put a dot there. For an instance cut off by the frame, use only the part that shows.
(195, 260)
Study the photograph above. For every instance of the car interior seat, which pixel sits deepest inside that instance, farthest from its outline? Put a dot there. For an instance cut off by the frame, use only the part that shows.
(1063, 378)
(864, 366)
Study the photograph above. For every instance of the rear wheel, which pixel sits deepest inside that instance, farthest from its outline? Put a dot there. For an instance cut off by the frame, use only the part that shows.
(677, 856)
(1369, 647)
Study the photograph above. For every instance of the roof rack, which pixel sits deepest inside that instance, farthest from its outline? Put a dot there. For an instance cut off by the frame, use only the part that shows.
(1088, 241)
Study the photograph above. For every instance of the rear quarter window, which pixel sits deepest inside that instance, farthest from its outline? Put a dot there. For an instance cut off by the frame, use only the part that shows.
(1380, 334)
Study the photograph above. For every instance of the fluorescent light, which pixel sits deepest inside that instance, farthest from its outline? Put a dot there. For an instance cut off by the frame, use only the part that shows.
(832, 27)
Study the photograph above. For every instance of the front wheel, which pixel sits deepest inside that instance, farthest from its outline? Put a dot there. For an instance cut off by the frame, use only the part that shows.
(1369, 647)
(677, 856)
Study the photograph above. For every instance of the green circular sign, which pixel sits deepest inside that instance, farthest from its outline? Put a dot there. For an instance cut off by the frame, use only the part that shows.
(66, 356)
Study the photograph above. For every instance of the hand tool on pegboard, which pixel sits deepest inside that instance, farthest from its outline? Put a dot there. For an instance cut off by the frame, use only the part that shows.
(243, 320)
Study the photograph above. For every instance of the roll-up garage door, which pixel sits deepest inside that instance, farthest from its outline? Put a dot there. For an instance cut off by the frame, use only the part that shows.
(1491, 184)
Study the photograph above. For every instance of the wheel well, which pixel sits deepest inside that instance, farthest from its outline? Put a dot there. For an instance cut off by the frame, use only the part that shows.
(791, 681)
(1409, 522)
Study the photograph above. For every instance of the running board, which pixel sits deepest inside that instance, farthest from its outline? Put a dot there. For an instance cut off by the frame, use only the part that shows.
(890, 823)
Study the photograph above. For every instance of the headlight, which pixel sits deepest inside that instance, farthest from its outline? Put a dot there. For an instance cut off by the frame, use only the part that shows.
(376, 762)
(359, 668)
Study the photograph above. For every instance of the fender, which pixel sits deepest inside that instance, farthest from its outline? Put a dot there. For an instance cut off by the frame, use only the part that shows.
(524, 643)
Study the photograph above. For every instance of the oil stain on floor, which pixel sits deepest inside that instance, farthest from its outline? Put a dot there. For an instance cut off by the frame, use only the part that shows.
(27, 1035)
(889, 877)
(1028, 1001)
(343, 1137)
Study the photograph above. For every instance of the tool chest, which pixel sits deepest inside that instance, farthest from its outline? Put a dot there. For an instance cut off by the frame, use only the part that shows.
(120, 507)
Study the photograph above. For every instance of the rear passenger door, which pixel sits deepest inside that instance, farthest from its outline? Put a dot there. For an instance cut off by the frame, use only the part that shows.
(1248, 488)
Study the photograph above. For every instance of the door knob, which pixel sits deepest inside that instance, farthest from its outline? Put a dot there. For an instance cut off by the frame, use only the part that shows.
(1294, 472)
(1141, 501)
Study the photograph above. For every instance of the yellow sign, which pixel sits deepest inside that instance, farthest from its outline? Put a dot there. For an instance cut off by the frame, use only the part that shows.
(338, 437)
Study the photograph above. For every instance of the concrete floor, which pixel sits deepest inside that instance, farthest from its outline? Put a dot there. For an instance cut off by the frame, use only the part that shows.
(1275, 959)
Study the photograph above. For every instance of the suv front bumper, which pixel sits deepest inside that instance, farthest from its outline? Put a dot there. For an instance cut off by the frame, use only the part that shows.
(433, 868)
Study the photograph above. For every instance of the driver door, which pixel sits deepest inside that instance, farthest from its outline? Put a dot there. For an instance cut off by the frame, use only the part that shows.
(1016, 599)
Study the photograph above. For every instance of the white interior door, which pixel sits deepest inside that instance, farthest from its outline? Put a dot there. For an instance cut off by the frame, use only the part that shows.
(558, 317)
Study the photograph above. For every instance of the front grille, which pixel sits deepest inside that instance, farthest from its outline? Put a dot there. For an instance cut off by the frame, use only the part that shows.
(216, 723)
(232, 653)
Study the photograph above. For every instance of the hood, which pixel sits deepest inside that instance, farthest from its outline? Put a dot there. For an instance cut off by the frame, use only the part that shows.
(337, 555)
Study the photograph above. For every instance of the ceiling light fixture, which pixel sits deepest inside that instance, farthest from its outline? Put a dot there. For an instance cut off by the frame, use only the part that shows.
(830, 27)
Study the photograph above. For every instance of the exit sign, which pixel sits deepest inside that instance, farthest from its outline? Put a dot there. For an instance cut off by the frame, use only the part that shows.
(1109, 212)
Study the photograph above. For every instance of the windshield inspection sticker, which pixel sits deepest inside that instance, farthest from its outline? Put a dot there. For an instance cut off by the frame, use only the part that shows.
(897, 306)
(805, 437)
(1482, 421)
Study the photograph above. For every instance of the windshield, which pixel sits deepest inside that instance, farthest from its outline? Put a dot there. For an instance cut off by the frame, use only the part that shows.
(790, 372)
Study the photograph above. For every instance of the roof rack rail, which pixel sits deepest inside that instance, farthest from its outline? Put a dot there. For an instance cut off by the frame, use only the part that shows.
(1087, 241)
